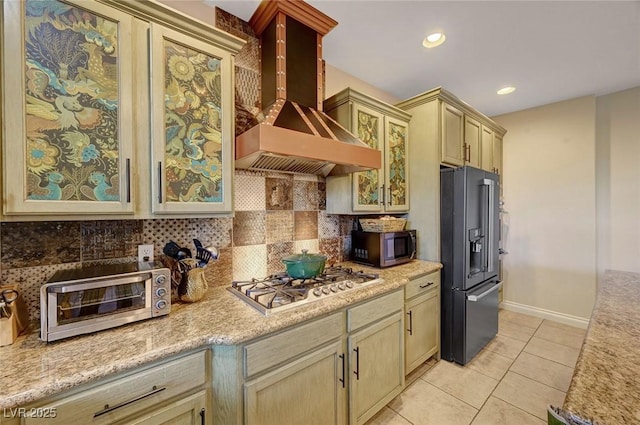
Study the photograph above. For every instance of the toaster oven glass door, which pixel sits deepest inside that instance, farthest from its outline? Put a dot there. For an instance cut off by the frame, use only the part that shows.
(98, 304)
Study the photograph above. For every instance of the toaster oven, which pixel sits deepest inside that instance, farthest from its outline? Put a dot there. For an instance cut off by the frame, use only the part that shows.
(90, 299)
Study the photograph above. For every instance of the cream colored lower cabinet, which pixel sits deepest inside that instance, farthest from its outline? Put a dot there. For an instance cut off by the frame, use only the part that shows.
(169, 391)
(309, 391)
(422, 320)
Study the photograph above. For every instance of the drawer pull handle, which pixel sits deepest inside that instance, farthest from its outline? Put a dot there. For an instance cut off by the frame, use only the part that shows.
(343, 377)
(357, 371)
(108, 409)
(410, 314)
(426, 285)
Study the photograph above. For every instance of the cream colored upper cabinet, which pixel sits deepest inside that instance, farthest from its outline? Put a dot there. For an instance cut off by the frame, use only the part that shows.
(191, 120)
(67, 106)
(472, 154)
(487, 149)
(381, 126)
(452, 149)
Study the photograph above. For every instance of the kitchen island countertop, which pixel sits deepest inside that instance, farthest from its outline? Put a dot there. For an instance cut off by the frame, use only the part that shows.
(605, 386)
(33, 369)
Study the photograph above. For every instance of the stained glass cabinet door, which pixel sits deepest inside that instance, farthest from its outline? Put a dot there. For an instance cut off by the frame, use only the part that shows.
(396, 165)
(67, 108)
(368, 187)
(191, 97)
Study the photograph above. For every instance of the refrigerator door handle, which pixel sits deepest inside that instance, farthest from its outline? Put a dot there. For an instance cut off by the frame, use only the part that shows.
(491, 193)
(475, 298)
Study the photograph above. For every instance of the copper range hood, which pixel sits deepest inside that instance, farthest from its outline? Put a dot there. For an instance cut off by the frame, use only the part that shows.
(293, 134)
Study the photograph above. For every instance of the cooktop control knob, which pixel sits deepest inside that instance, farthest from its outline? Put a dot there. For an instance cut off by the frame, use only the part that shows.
(325, 290)
(161, 304)
(341, 286)
(161, 279)
(349, 284)
(161, 292)
(334, 288)
(317, 292)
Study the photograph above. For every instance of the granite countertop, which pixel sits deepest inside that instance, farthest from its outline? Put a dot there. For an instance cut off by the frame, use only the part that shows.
(605, 387)
(33, 369)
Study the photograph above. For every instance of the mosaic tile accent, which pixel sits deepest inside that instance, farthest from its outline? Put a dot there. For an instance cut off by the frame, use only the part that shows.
(249, 55)
(328, 225)
(29, 280)
(275, 253)
(279, 193)
(159, 232)
(249, 262)
(310, 244)
(210, 231)
(305, 195)
(322, 195)
(248, 89)
(39, 243)
(249, 228)
(332, 248)
(249, 192)
(305, 225)
(347, 224)
(220, 271)
(279, 226)
(103, 239)
(346, 247)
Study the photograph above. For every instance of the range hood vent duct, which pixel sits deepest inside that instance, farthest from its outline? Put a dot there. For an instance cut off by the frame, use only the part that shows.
(293, 134)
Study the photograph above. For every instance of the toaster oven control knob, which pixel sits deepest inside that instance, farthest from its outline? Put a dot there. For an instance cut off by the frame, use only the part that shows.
(161, 304)
(161, 279)
(161, 292)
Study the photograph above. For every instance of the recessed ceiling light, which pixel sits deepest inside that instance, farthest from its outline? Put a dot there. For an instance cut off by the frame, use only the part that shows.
(433, 40)
(506, 90)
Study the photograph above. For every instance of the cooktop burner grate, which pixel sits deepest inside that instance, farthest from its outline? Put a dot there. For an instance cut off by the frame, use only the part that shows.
(280, 291)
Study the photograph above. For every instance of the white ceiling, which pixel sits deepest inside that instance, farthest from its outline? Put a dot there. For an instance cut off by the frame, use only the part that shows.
(549, 50)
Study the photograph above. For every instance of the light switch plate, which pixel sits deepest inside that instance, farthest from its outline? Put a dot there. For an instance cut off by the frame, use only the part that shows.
(145, 253)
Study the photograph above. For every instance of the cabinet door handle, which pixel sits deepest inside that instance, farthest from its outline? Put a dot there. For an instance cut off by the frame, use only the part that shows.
(390, 197)
(202, 420)
(426, 285)
(128, 176)
(410, 314)
(357, 370)
(159, 182)
(108, 409)
(383, 195)
(343, 365)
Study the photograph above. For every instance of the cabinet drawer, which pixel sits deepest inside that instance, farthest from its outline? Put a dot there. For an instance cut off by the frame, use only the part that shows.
(276, 349)
(117, 399)
(422, 284)
(374, 310)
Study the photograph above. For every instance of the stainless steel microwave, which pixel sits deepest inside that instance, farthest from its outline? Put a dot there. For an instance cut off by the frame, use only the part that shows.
(383, 249)
(90, 299)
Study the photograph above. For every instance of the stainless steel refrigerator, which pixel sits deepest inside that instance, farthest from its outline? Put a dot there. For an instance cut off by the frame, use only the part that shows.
(469, 235)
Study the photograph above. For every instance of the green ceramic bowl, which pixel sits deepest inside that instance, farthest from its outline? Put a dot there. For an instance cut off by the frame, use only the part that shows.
(305, 265)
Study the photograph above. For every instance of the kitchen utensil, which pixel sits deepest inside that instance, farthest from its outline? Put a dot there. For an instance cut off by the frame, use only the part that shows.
(214, 252)
(197, 243)
(203, 256)
(171, 249)
(183, 253)
(7, 296)
(305, 265)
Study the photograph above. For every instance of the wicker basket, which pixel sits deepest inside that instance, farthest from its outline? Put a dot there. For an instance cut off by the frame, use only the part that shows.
(379, 225)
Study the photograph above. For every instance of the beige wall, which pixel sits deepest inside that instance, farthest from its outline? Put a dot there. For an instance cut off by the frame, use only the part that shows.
(618, 180)
(549, 191)
(337, 80)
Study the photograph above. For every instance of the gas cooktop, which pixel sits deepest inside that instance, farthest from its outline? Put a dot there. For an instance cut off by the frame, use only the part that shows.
(280, 291)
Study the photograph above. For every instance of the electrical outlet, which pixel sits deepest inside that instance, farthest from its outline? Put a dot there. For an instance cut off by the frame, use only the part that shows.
(145, 253)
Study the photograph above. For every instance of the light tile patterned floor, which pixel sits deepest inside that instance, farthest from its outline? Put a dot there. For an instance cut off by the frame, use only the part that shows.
(526, 367)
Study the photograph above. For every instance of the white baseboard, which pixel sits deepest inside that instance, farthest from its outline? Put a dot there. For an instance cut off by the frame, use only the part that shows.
(567, 319)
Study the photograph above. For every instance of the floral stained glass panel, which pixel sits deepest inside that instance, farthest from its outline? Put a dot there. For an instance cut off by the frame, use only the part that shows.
(71, 98)
(368, 181)
(193, 125)
(397, 163)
